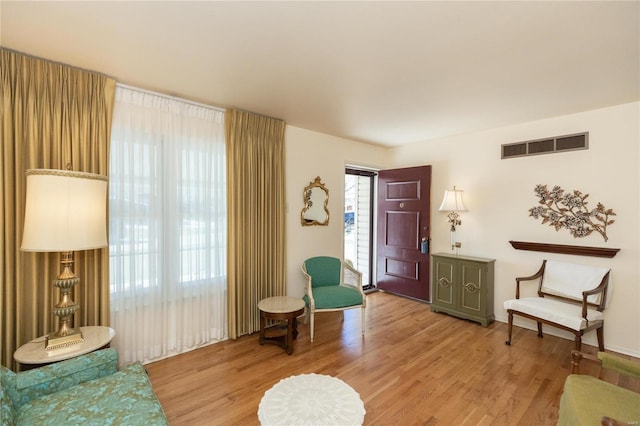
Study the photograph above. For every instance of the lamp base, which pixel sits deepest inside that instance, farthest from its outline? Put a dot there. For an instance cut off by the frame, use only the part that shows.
(57, 342)
(66, 335)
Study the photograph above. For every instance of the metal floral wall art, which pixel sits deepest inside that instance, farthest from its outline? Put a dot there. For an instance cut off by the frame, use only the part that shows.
(569, 210)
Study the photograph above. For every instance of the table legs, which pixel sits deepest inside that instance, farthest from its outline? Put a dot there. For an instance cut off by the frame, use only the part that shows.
(278, 334)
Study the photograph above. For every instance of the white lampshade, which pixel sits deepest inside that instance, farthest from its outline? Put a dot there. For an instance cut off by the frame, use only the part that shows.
(65, 211)
(452, 201)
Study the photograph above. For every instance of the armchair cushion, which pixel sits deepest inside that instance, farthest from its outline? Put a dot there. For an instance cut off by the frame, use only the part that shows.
(331, 297)
(325, 270)
(586, 399)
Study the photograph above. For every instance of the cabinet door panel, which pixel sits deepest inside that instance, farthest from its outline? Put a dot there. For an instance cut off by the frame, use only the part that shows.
(471, 287)
(444, 284)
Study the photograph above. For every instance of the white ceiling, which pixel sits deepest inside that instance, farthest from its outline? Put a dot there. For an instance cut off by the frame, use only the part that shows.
(387, 73)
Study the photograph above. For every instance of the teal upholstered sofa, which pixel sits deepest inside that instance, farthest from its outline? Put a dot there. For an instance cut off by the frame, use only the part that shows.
(87, 390)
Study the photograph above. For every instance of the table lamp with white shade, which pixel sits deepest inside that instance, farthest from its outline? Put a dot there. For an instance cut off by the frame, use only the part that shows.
(66, 211)
(453, 203)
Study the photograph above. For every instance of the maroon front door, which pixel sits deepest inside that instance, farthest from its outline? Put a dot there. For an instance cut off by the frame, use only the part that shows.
(403, 221)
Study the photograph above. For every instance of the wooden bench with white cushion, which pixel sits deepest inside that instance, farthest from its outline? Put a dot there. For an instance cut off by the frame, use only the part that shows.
(570, 297)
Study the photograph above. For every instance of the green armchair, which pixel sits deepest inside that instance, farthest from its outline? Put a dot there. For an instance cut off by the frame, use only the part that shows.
(332, 285)
(587, 400)
(87, 390)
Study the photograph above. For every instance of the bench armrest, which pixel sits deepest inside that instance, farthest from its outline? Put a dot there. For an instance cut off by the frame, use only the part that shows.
(602, 288)
(529, 278)
(53, 378)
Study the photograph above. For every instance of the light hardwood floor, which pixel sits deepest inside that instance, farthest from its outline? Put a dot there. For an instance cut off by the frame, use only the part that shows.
(413, 367)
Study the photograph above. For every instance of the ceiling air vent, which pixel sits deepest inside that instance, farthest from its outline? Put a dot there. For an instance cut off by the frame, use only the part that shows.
(546, 146)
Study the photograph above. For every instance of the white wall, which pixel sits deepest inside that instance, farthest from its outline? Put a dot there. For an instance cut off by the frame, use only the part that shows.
(498, 194)
(310, 154)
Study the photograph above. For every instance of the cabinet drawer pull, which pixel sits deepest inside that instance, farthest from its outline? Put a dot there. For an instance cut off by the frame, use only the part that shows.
(471, 287)
(444, 282)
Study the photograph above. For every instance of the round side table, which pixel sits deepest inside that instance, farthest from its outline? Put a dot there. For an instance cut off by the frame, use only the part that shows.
(33, 352)
(280, 308)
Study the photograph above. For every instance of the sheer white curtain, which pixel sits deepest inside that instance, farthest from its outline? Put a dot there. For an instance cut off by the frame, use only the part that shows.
(167, 226)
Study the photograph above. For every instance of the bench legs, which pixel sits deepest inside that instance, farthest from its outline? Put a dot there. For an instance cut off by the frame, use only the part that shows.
(508, 342)
(600, 334)
(578, 339)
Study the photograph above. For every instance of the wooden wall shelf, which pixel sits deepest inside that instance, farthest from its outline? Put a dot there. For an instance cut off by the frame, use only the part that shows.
(565, 249)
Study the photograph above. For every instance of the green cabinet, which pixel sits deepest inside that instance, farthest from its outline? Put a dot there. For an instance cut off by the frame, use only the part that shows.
(463, 286)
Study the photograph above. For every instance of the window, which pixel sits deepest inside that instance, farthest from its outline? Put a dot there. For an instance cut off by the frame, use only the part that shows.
(358, 221)
(167, 238)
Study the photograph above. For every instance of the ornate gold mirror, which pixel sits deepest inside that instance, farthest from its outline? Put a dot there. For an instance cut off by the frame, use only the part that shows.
(316, 200)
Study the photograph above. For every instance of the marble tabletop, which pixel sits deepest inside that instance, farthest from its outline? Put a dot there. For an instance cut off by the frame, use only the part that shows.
(281, 304)
(94, 337)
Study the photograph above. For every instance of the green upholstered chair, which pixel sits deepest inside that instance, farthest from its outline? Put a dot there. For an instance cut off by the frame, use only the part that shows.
(332, 285)
(587, 400)
(86, 390)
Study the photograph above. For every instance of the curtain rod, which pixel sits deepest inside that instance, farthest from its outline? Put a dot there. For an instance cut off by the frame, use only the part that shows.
(175, 98)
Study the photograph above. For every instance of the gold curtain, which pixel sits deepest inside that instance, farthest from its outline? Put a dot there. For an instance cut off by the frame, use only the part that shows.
(256, 216)
(52, 115)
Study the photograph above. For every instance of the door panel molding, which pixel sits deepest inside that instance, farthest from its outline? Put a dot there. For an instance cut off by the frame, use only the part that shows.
(397, 191)
(408, 224)
(402, 269)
